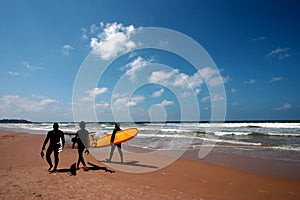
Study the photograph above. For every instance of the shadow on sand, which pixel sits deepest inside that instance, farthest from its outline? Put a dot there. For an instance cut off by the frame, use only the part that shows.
(130, 163)
(72, 170)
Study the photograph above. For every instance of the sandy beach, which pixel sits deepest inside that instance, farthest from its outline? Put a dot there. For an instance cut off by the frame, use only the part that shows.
(24, 175)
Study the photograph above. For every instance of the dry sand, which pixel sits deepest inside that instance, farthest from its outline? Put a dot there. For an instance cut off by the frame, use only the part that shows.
(24, 175)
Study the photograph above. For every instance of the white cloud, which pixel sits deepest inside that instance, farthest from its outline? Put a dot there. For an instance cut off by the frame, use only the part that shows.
(17, 104)
(261, 38)
(284, 107)
(84, 34)
(166, 103)
(217, 80)
(251, 81)
(279, 53)
(14, 73)
(163, 43)
(30, 66)
(233, 90)
(162, 77)
(93, 93)
(94, 28)
(181, 80)
(197, 91)
(114, 39)
(275, 79)
(208, 75)
(187, 94)
(135, 100)
(103, 105)
(136, 65)
(122, 101)
(158, 93)
(47, 101)
(66, 49)
(216, 97)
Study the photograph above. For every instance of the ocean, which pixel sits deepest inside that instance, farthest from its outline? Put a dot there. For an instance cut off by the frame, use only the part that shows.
(279, 140)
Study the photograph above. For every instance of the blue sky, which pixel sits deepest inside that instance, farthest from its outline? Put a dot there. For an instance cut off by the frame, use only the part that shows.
(254, 44)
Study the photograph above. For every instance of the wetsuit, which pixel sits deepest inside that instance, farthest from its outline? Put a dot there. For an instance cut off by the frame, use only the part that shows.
(54, 136)
(113, 146)
(82, 139)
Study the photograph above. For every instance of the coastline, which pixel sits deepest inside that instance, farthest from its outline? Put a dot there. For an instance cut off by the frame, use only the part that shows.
(24, 174)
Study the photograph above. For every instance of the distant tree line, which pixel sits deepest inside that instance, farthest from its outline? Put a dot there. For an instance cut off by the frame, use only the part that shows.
(23, 121)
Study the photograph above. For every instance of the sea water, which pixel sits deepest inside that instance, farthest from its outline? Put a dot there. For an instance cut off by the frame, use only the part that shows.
(275, 140)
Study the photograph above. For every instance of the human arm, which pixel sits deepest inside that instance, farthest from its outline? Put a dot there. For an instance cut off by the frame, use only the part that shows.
(46, 141)
(44, 145)
(87, 142)
(113, 135)
(74, 140)
(87, 151)
(63, 139)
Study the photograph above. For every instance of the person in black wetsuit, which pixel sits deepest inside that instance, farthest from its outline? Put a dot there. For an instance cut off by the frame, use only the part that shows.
(83, 143)
(113, 146)
(57, 141)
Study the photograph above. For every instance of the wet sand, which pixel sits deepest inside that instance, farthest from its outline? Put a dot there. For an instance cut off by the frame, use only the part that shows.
(24, 175)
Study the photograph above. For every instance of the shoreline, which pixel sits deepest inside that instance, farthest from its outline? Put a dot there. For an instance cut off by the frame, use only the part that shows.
(24, 174)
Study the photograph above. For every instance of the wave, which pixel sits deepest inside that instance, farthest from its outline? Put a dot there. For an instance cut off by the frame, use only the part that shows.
(281, 125)
(251, 126)
(258, 134)
(253, 134)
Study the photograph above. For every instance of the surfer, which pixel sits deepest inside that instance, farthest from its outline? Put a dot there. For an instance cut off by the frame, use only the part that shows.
(57, 142)
(113, 146)
(83, 143)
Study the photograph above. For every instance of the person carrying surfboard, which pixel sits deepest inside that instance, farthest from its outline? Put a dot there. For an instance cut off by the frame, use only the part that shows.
(113, 146)
(82, 137)
(57, 142)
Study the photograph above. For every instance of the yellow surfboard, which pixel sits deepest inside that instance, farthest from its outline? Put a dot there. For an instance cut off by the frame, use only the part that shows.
(121, 136)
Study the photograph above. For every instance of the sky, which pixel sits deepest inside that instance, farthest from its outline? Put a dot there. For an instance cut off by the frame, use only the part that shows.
(252, 49)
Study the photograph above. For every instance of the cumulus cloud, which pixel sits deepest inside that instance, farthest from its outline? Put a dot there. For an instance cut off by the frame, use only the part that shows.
(14, 73)
(162, 76)
(285, 106)
(216, 97)
(279, 53)
(103, 105)
(163, 43)
(188, 93)
(158, 93)
(166, 103)
(113, 39)
(275, 79)
(84, 34)
(47, 101)
(136, 65)
(233, 90)
(93, 93)
(30, 66)
(123, 101)
(251, 81)
(208, 75)
(18, 104)
(66, 49)
(260, 38)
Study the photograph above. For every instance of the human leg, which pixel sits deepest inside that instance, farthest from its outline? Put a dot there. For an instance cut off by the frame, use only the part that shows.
(120, 151)
(80, 157)
(48, 157)
(56, 159)
(111, 151)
